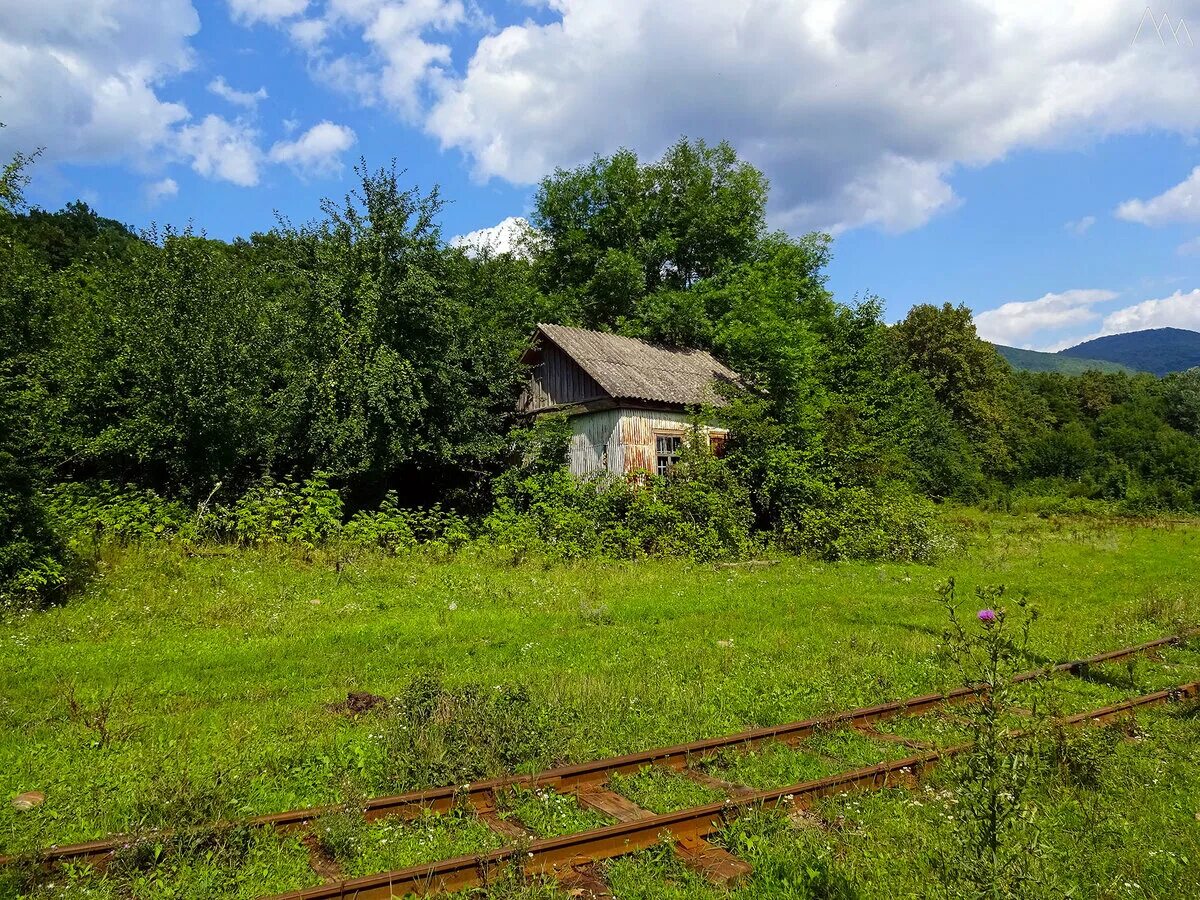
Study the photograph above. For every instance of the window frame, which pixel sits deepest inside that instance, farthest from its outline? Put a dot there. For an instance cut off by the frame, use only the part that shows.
(673, 457)
(716, 442)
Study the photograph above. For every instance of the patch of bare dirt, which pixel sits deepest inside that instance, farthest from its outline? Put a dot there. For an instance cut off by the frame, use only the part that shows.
(356, 703)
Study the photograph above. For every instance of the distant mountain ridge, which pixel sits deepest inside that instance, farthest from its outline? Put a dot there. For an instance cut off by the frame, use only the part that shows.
(1037, 361)
(1157, 350)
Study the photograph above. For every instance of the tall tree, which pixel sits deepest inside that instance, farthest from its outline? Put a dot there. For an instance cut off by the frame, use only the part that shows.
(408, 367)
(966, 374)
(617, 232)
(32, 557)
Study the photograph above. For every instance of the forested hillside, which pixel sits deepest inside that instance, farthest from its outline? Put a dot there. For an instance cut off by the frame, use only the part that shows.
(1038, 361)
(341, 378)
(1157, 350)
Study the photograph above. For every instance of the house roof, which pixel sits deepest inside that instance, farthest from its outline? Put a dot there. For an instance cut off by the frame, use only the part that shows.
(631, 369)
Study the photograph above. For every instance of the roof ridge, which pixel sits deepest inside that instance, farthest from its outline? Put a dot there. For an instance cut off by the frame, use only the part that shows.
(633, 368)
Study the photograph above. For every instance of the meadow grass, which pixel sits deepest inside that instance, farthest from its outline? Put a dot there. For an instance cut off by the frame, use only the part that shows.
(181, 688)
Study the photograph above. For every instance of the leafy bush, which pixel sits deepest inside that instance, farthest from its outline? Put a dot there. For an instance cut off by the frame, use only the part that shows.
(859, 523)
(387, 528)
(35, 564)
(699, 510)
(125, 514)
(308, 513)
(272, 512)
(394, 529)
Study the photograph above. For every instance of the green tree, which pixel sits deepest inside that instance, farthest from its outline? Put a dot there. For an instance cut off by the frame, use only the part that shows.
(409, 358)
(172, 367)
(1182, 395)
(75, 232)
(616, 232)
(33, 560)
(965, 373)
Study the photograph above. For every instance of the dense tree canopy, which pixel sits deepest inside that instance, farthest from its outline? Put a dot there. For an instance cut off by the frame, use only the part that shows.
(363, 347)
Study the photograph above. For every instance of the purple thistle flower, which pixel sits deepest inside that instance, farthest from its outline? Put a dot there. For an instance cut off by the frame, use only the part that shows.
(987, 616)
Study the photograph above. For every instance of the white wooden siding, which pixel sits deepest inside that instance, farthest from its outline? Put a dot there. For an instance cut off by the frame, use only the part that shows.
(622, 440)
(557, 380)
(595, 442)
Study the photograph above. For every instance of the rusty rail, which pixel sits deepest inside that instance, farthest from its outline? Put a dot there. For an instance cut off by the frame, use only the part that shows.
(481, 795)
(556, 857)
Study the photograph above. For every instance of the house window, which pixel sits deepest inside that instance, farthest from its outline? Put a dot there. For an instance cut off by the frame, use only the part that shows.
(666, 451)
(716, 443)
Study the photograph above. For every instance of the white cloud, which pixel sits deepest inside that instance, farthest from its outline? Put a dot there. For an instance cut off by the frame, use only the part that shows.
(246, 99)
(85, 79)
(1016, 322)
(1189, 248)
(80, 77)
(1080, 227)
(1180, 310)
(859, 112)
(1179, 204)
(317, 151)
(309, 33)
(397, 58)
(271, 11)
(161, 190)
(222, 150)
(513, 235)
(1056, 321)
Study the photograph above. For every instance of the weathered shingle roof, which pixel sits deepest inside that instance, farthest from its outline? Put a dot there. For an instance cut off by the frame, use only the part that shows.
(630, 369)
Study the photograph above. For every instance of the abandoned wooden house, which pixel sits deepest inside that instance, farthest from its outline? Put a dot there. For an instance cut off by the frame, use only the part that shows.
(629, 402)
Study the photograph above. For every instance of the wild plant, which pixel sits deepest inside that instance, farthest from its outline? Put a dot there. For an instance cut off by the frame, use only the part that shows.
(97, 716)
(995, 831)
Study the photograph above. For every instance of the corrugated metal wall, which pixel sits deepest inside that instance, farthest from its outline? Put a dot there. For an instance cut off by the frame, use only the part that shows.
(595, 442)
(621, 440)
(557, 380)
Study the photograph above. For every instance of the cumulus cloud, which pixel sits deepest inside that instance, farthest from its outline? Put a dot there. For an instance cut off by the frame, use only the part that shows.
(398, 56)
(858, 112)
(161, 190)
(1080, 227)
(1180, 310)
(85, 79)
(1179, 204)
(513, 235)
(1055, 321)
(81, 77)
(1016, 322)
(248, 100)
(222, 150)
(317, 151)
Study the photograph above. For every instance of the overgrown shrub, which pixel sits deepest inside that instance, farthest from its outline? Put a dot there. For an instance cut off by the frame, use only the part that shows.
(35, 563)
(308, 513)
(394, 529)
(435, 734)
(699, 509)
(125, 514)
(858, 523)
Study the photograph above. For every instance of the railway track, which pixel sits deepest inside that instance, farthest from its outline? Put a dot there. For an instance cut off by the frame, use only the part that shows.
(636, 828)
(561, 858)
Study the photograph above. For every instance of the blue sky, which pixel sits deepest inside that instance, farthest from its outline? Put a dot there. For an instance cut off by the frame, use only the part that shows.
(1033, 163)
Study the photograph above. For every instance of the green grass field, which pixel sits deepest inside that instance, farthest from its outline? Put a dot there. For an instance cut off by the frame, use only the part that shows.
(181, 689)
